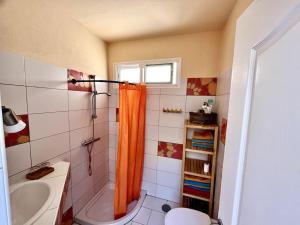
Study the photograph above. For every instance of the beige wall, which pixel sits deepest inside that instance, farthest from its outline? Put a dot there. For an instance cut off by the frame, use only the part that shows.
(228, 36)
(37, 29)
(199, 52)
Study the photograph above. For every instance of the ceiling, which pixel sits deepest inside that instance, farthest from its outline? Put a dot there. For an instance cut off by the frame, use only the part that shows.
(115, 20)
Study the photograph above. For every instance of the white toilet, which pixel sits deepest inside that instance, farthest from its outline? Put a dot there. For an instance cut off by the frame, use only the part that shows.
(185, 216)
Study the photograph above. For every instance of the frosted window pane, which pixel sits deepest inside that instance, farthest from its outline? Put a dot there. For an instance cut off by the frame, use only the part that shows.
(130, 74)
(159, 73)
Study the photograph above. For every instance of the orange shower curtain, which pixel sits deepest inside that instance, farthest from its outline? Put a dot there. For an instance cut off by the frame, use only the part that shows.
(130, 157)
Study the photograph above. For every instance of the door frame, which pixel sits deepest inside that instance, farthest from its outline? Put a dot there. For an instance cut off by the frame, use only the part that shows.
(250, 41)
(5, 212)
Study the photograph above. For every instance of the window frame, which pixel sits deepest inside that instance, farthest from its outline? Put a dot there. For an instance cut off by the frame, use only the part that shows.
(174, 83)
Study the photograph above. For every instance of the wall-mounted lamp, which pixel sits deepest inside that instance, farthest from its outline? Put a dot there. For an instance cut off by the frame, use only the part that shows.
(11, 123)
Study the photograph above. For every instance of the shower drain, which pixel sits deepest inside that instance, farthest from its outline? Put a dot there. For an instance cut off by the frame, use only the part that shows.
(166, 208)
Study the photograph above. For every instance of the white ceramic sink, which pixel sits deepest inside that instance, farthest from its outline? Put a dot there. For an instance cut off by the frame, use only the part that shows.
(29, 200)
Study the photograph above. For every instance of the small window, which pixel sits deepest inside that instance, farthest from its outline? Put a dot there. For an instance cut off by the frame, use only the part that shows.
(159, 73)
(130, 73)
(155, 73)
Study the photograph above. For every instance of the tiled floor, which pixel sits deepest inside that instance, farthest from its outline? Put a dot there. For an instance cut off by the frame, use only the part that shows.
(151, 212)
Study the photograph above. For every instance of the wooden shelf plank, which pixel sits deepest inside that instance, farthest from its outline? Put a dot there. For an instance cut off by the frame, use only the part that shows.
(197, 175)
(196, 197)
(198, 126)
(196, 167)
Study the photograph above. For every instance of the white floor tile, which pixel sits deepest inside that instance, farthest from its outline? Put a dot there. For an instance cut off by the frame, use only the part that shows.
(156, 218)
(154, 203)
(173, 204)
(143, 216)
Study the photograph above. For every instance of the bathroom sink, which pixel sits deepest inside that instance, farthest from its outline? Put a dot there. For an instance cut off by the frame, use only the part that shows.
(29, 200)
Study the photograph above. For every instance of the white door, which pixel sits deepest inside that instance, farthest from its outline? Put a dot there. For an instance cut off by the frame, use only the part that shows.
(5, 215)
(261, 177)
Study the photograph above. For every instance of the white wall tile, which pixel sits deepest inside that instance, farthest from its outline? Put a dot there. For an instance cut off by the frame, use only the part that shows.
(102, 115)
(81, 188)
(113, 141)
(12, 69)
(14, 97)
(40, 74)
(112, 114)
(171, 119)
(101, 129)
(47, 124)
(101, 145)
(112, 166)
(79, 100)
(80, 118)
(171, 134)
(172, 102)
(153, 91)
(18, 158)
(41, 100)
(112, 154)
(194, 103)
(167, 193)
(149, 187)
(101, 86)
(149, 175)
(47, 148)
(79, 135)
(100, 158)
(102, 101)
(114, 101)
(79, 172)
(152, 117)
(152, 102)
(82, 200)
(112, 177)
(151, 132)
(79, 155)
(171, 180)
(169, 165)
(176, 91)
(151, 147)
(150, 161)
(113, 127)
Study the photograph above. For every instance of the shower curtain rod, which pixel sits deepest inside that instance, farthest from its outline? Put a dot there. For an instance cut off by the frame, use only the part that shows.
(74, 81)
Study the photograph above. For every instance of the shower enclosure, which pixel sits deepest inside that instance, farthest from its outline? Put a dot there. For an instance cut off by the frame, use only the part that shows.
(100, 209)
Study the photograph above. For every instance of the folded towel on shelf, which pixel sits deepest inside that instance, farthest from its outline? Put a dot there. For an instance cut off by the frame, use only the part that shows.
(193, 191)
(202, 141)
(196, 183)
(206, 135)
(199, 179)
(202, 146)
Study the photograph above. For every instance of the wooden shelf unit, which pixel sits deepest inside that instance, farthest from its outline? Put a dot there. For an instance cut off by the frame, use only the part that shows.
(194, 167)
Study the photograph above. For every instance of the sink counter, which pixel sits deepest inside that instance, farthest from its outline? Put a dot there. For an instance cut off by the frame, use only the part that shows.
(58, 180)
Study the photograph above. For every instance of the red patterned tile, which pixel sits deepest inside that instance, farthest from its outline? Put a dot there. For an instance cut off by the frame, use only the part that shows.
(170, 150)
(223, 130)
(86, 86)
(202, 86)
(67, 218)
(20, 137)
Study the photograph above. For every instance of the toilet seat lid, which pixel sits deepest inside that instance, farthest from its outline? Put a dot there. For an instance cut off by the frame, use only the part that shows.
(183, 216)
